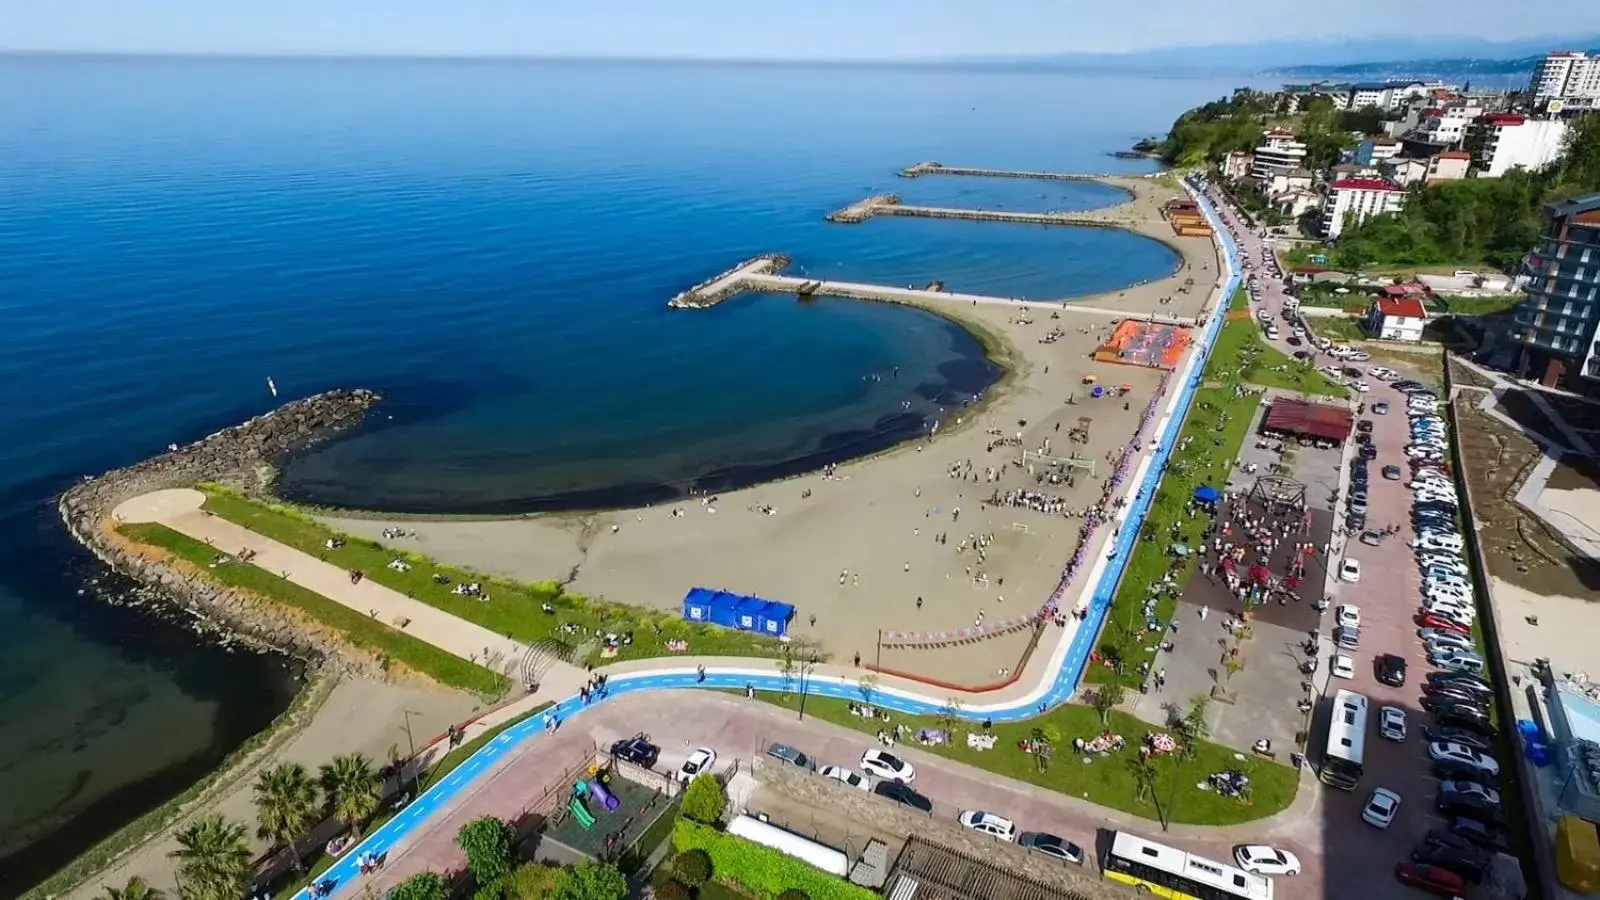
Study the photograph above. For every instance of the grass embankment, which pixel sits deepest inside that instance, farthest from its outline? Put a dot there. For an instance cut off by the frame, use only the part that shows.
(362, 631)
(1216, 428)
(1241, 356)
(446, 764)
(1108, 780)
(513, 609)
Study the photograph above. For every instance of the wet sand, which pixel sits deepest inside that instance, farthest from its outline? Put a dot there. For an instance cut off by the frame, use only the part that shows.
(877, 524)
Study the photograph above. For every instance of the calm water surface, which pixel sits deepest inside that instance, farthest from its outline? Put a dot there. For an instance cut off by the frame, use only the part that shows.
(493, 245)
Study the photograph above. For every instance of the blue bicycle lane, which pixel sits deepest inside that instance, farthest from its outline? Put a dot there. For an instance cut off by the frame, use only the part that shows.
(345, 872)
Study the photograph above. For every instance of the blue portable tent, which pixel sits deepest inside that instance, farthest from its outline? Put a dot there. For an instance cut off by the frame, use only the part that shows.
(697, 604)
(723, 609)
(775, 620)
(1205, 493)
(747, 613)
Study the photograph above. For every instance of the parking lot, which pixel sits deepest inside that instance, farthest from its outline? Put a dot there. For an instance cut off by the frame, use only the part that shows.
(1388, 595)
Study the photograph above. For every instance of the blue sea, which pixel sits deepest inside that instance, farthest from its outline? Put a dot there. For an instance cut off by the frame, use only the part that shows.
(492, 244)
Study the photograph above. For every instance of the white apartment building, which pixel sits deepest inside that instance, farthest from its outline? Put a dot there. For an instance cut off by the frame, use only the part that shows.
(1567, 75)
(1352, 201)
(1501, 142)
(1447, 123)
(1236, 165)
(1279, 152)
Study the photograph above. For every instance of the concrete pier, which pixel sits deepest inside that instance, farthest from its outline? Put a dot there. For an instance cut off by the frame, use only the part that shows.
(890, 205)
(759, 276)
(933, 168)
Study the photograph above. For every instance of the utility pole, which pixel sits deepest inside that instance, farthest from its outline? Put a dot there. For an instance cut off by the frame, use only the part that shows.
(806, 665)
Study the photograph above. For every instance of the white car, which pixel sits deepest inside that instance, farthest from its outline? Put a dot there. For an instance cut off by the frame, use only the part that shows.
(1359, 356)
(1439, 541)
(1350, 570)
(1343, 666)
(1348, 616)
(1441, 750)
(1381, 808)
(989, 823)
(846, 776)
(887, 765)
(1392, 723)
(1360, 387)
(1469, 787)
(1264, 860)
(699, 761)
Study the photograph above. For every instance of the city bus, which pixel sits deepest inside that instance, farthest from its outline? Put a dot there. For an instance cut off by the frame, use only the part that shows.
(1347, 741)
(1171, 873)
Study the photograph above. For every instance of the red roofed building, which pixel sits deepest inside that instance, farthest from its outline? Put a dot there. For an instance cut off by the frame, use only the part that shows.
(1397, 314)
(1352, 201)
(1297, 418)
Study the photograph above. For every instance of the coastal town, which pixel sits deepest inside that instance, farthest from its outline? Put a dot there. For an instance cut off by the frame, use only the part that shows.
(1265, 578)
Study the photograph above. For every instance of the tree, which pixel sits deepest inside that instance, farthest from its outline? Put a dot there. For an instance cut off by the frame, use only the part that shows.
(1144, 776)
(353, 788)
(1233, 664)
(950, 715)
(704, 800)
(786, 667)
(868, 683)
(590, 880)
(213, 859)
(136, 889)
(692, 867)
(532, 882)
(490, 846)
(673, 890)
(286, 806)
(1106, 698)
(421, 886)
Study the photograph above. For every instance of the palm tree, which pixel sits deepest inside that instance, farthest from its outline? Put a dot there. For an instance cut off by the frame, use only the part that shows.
(213, 859)
(136, 889)
(286, 806)
(353, 789)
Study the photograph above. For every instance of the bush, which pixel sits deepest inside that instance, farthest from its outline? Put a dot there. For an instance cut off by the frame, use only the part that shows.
(692, 867)
(705, 801)
(793, 894)
(759, 870)
(674, 890)
(532, 881)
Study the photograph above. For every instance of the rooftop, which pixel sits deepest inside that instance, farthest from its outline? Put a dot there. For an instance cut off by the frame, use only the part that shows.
(1574, 206)
(1502, 119)
(931, 872)
(1365, 184)
(1455, 154)
(1403, 307)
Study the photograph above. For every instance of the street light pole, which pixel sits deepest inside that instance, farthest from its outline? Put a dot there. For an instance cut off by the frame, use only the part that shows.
(411, 744)
(806, 665)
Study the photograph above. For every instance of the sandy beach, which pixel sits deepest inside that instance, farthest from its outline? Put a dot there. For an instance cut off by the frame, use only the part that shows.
(878, 544)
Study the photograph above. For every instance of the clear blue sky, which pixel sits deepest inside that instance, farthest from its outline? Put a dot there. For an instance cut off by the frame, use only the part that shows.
(746, 29)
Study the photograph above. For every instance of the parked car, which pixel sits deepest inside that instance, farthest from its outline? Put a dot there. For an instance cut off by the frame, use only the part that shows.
(790, 755)
(1463, 788)
(1479, 834)
(900, 793)
(1264, 860)
(881, 764)
(1391, 669)
(636, 750)
(845, 776)
(1392, 723)
(1432, 879)
(1381, 808)
(699, 762)
(1051, 845)
(1470, 863)
(989, 823)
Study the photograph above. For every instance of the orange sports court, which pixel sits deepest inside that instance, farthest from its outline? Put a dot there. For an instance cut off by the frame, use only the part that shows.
(1149, 344)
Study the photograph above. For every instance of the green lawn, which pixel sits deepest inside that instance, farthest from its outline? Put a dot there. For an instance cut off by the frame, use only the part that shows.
(513, 609)
(1216, 429)
(360, 630)
(1108, 780)
(1241, 356)
(1338, 328)
(1446, 304)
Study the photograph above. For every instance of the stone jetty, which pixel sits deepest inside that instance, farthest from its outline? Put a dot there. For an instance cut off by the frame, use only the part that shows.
(933, 168)
(725, 284)
(240, 456)
(890, 205)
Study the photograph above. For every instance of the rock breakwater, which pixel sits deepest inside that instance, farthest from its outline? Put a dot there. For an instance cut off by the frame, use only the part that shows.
(239, 456)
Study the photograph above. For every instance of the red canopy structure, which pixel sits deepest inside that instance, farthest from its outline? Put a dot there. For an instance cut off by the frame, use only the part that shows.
(1313, 420)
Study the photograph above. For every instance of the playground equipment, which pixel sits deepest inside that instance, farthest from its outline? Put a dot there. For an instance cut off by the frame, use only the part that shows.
(604, 796)
(580, 813)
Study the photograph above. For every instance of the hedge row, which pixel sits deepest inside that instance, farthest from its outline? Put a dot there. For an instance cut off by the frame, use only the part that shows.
(760, 870)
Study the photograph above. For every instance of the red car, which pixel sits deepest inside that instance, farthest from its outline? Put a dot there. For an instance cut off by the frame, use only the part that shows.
(1429, 620)
(1432, 879)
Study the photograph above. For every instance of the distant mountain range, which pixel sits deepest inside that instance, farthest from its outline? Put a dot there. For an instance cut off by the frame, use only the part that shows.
(1344, 59)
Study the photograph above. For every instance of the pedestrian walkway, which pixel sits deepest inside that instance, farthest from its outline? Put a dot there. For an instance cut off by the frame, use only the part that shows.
(181, 510)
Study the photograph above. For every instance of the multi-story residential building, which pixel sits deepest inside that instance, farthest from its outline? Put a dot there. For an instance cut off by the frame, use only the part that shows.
(1376, 150)
(1280, 151)
(1566, 75)
(1447, 123)
(1451, 165)
(1351, 201)
(1556, 323)
(1385, 95)
(1500, 142)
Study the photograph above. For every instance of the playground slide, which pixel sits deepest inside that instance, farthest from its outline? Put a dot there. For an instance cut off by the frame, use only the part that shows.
(582, 815)
(606, 798)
